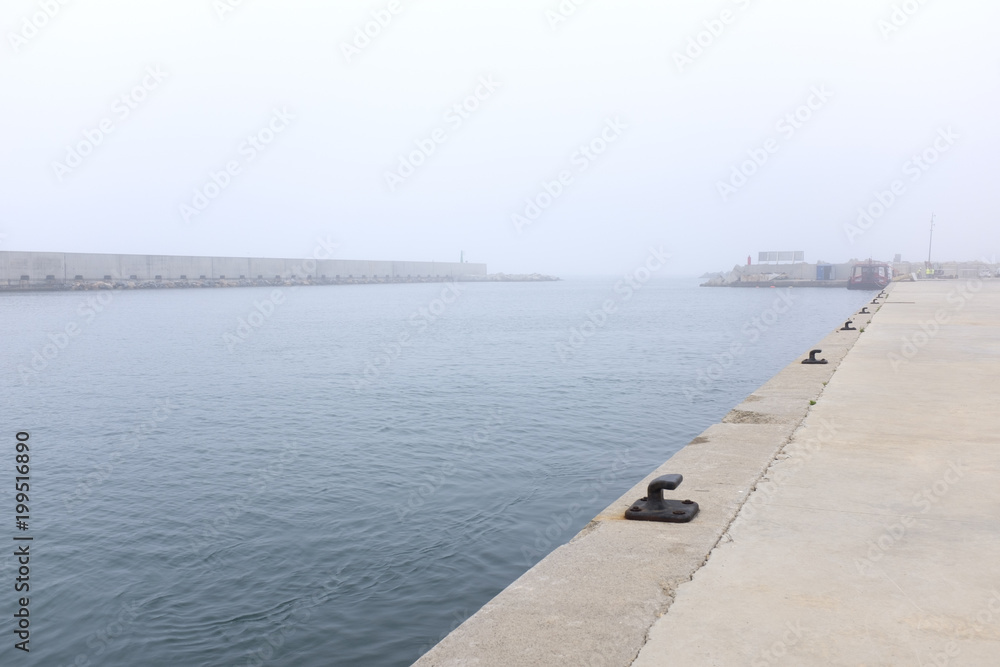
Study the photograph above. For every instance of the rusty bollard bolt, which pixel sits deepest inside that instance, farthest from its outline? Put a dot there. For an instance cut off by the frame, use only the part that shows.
(655, 508)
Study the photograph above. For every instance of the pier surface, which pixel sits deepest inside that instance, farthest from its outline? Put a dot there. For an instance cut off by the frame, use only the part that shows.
(881, 546)
(862, 530)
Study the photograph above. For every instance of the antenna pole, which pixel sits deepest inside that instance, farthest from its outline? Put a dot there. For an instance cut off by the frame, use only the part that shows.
(930, 244)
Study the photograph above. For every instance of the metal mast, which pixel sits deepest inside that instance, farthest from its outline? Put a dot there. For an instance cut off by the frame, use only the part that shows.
(930, 244)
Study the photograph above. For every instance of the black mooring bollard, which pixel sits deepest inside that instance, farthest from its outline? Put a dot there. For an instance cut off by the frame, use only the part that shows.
(655, 508)
(812, 358)
(847, 326)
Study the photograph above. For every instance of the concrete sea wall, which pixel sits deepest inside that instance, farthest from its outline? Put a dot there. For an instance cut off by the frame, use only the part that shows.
(39, 269)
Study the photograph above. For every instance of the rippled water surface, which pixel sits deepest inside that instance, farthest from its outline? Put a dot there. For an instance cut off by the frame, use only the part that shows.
(317, 493)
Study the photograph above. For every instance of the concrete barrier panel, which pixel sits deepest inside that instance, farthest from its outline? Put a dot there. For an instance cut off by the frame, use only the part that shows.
(199, 266)
(134, 265)
(266, 268)
(230, 267)
(331, 268)
(91, 266)
(381, 269)
(165, 266)
(36, 265)
(408, 269)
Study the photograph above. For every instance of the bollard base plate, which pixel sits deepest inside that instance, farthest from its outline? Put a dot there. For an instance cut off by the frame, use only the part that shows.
(670, 511)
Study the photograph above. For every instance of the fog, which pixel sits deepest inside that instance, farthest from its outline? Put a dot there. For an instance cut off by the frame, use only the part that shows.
(560, 137)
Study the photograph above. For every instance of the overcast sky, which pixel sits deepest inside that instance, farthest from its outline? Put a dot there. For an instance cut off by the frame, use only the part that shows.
(713, 129)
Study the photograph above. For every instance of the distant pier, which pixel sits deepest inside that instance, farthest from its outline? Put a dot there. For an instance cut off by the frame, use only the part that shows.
(826, 274)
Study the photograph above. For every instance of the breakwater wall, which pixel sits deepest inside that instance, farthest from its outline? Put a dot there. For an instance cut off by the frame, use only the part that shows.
(593, 601)
(34, 270)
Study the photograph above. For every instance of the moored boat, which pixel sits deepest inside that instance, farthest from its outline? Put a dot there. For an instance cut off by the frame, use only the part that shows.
(870, 275)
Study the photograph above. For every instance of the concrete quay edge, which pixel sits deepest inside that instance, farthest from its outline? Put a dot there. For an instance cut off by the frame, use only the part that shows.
(593, 600)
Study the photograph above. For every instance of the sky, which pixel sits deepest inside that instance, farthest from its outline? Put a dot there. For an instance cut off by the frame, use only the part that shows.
(562, 137)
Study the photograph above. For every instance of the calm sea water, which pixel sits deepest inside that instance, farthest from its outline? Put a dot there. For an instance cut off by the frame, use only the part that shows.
(345, 479)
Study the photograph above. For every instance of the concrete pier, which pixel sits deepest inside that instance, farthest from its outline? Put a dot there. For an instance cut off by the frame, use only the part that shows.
(880, 546)
(861, 530)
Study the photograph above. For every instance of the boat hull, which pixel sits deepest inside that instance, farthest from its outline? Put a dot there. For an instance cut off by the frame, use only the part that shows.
(867, 285)
(870, 276)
